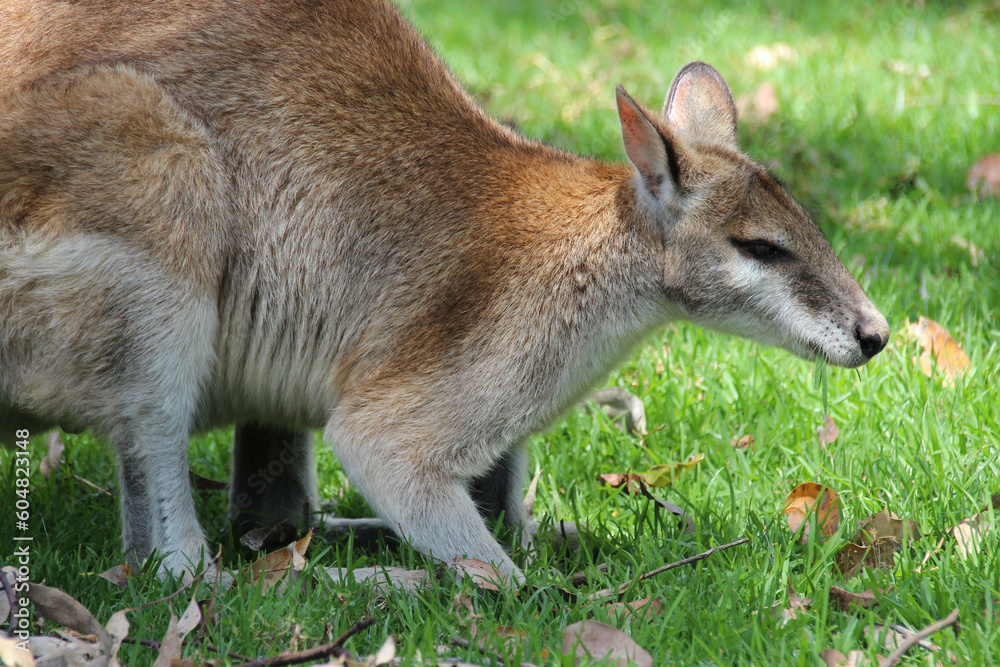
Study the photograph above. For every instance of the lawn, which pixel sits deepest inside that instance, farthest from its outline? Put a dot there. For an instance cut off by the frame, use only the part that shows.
(872, 113)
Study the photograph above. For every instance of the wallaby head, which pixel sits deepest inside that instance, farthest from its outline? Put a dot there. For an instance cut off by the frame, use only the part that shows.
(739, 253)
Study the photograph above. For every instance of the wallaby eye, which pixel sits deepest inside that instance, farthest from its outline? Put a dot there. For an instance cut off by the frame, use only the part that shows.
(764, 251)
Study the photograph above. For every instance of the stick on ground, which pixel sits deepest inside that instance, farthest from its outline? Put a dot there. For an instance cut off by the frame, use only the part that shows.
(620, 590)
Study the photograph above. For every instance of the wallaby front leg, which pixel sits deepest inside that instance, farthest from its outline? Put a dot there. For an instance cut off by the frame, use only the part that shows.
(420, 499)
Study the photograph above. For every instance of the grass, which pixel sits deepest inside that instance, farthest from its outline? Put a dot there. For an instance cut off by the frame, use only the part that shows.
(879, 152)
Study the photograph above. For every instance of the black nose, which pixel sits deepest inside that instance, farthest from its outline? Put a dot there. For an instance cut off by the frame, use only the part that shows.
(871, 341)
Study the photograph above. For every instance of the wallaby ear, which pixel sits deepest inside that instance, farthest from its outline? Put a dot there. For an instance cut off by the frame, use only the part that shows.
(700, 105)
(648, 150)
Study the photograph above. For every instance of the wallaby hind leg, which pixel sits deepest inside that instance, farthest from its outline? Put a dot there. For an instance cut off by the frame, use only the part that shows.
(274, 477)
(109, 340)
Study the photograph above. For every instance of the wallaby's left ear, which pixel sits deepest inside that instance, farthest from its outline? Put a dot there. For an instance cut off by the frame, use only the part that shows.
(700, 105)
(652, 154)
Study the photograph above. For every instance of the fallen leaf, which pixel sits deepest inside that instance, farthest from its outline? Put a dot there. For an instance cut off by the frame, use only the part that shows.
(60, 608)
(800, 503)
(842, 599)
(828, 432)
(511, 637)
(190, 619)
(272, 567)
(529, 496)
(590, 640)
(886, 524)
(624, 409)
(666, 474)
(170, 647)
(53, 457)
(484, 575)
(385, 654)
(879, 555)
(834, 658)
(769, 56)
(970, 532)
(118, 575)
(743, 442)
(118, 627)
(265, 537)
(984, 177)
(795, 605)
(645, 609)
(939, 348)
(635, 484)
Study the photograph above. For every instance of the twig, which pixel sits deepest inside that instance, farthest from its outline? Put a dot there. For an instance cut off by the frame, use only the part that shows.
(87, 482)
(916, 638)
(332, 650)
(465, 643)
(609, 592)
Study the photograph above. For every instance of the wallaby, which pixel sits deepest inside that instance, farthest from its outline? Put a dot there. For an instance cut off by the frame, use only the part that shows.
(288, 214)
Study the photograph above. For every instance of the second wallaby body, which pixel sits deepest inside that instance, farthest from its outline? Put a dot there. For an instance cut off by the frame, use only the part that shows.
(289, 215)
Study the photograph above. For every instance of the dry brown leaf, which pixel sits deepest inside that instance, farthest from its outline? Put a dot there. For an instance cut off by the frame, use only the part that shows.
(190, 619)
(886, 524)
(589, 640)
(511, 637)
(801, 502)
(940, 349)
(984, 176)
(53, 457)
(484, 575)
(842, 599)
(170, 647)
(828, 432)
(60, 608)
(969, 533)
(666, 474)
(795, 605)
(834, 658)
(118, 627)
(879, 555)
(635, 484)
(118, 575)
(645, 609)
(632, 481)
(529, 496)
(272, 567)
(743, 442)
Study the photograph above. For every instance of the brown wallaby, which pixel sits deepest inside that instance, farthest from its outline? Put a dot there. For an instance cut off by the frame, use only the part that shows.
(288, 214)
